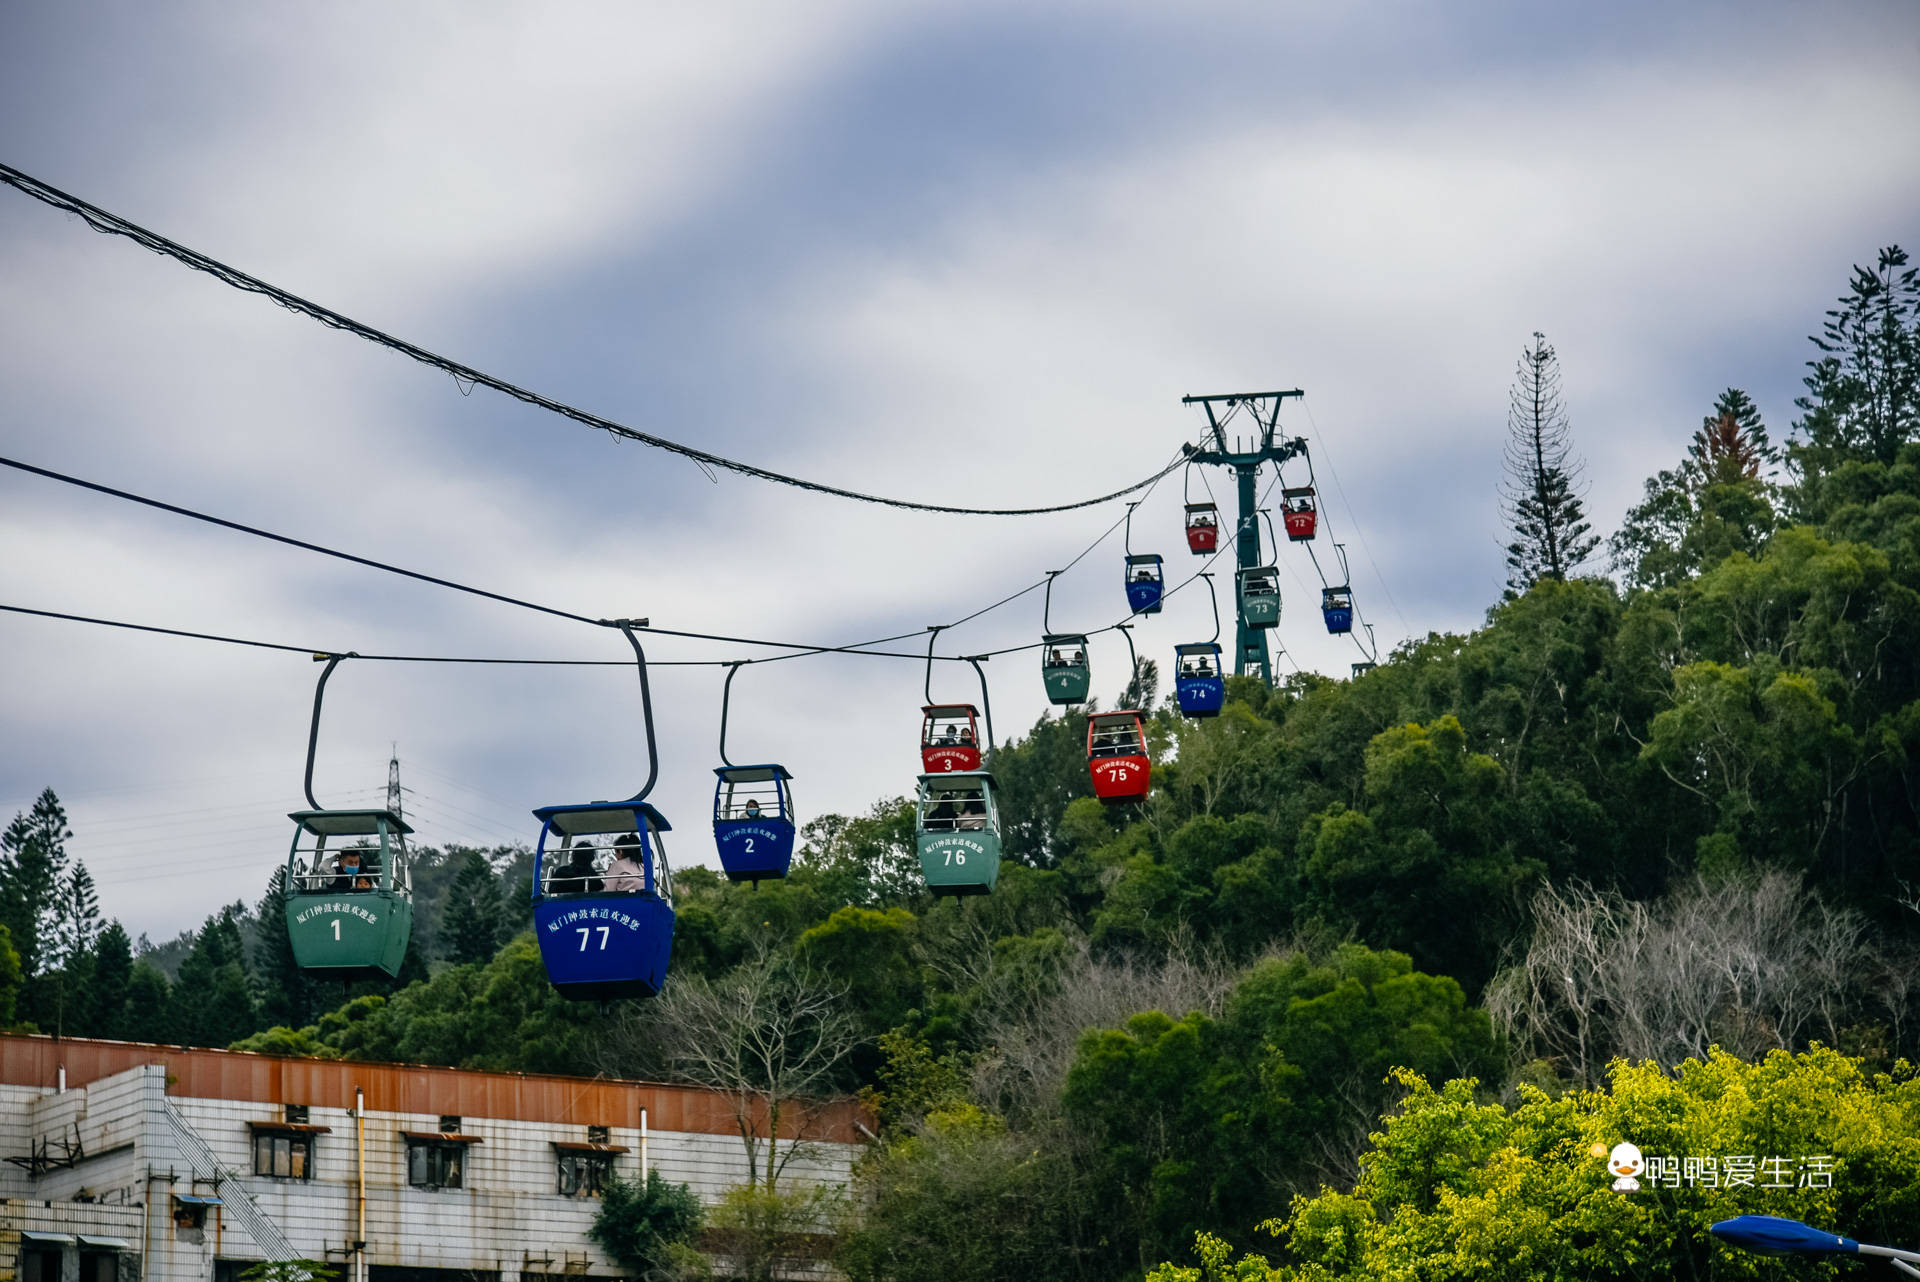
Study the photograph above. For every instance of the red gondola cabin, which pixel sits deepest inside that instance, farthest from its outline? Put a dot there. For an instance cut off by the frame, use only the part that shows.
(1117, 756)
(1203, 528)
(949, 738)
(1298, 513)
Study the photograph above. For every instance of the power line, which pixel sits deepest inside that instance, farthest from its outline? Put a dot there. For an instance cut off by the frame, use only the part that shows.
(112, 224)
(580, 663)
(430, 658)
(1359, 530)
(799, 649)
(426, 578)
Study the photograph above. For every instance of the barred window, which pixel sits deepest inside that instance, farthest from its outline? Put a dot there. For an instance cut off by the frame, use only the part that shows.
(584, 1174)
(283, 1155)
(436, 1164)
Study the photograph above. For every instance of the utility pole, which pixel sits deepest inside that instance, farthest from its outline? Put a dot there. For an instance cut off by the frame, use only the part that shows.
(1250, 649)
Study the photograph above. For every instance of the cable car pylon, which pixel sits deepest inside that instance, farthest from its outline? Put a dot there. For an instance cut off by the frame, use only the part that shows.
(1250, 649)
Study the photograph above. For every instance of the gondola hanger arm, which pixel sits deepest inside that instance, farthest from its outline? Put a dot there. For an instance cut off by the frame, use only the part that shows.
(626, 627)
(313, 730)
(726, 693)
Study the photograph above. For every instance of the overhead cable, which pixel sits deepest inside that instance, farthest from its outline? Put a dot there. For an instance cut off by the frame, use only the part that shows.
(429, 578)
(112, 224)
(427, 658)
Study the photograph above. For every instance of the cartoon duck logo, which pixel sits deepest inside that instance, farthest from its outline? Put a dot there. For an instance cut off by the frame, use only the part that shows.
(1625, 1162)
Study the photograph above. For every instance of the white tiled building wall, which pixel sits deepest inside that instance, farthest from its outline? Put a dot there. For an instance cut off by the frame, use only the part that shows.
(507, 1218)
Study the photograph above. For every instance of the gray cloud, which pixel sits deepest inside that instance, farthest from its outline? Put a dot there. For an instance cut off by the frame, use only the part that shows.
(964, 254)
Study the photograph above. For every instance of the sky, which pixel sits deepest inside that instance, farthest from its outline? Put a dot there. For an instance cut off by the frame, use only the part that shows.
(969, 254)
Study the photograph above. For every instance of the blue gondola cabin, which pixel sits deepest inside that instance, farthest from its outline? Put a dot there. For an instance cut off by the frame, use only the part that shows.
(1146, 579)
(753, 821)
(603, 899)
(1198, 683)
(1336, 607)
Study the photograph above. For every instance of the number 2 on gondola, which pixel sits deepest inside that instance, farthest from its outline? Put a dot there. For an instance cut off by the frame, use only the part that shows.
(586, 932)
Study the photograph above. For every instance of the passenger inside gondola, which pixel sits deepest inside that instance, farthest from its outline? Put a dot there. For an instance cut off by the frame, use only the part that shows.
(1114, 741)
(627, 874)
(944, 812)
(752, 809)
(1260, 585)
(973, 814)
(576, 876)
(948, 730)
(351, 872)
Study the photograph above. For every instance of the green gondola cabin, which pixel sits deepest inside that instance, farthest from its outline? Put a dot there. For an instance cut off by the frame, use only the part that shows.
(957, 832)
(349, 893)
(1260, 596)
(1063, 666)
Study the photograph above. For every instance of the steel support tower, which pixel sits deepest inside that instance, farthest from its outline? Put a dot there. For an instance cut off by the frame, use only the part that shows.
(1250, 647)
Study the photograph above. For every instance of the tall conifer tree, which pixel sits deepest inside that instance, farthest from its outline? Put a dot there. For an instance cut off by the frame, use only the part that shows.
(1863, 391)
(286, 994)
(33, 863)
(1551, 537)
(111, 983)
(470, 922)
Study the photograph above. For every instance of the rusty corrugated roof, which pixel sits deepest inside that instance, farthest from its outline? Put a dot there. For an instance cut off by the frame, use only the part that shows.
(199, 1073)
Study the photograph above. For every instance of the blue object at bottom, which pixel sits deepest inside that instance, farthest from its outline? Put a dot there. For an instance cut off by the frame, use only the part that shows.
(1201, 696)
(754, 849)
(604, 946)
(1339, 620)
(1144, 597)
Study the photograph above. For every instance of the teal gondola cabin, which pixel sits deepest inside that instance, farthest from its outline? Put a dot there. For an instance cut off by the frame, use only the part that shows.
(349, 893)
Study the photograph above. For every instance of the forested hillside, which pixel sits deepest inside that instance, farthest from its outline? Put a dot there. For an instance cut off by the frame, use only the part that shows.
(1640, 815)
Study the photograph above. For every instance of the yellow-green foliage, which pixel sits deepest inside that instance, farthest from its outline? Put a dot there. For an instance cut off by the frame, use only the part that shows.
(1458, 1189)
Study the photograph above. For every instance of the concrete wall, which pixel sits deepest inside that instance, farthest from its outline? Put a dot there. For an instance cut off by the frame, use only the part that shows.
(508, 1217)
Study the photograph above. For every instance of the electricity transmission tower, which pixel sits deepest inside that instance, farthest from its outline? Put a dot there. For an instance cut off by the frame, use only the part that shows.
(1245, 456)
(393, 783)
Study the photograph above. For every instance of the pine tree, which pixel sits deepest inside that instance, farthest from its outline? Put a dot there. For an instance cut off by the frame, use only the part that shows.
(76, 918)
(112, 983)
(1143, 688)
(1718, 501)
(33, 864)
(286, 994)
(1551, 536)
(1731, 446)
(1863, 398)
(212, 1000)
(472, 917)
(150, 1005)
